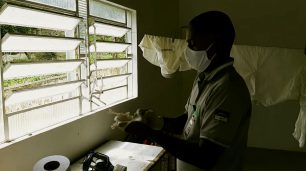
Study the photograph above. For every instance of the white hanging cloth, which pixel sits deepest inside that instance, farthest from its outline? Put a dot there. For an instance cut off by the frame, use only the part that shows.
(274, 75)
(165, 52)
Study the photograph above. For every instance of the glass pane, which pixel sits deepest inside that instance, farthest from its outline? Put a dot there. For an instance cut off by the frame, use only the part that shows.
(106, 55)
(109, 97)
(109, 47)
(107, 39)
(65, 4)
(34, 103)
(28, 17)
(30, 69)
(105, 11)
(104, 64)
(27, 95)
(114, 95)
(24, 123)
(19, 84)
(110, 82)
(115, 81)
(26, 43)
(108, 30)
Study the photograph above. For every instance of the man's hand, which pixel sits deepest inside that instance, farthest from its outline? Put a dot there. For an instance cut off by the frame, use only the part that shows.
(122, 120)
(138, 128)
(145, 116)
(150, 118)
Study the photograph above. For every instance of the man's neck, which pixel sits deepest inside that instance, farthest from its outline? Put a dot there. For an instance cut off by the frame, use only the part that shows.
(218, 61)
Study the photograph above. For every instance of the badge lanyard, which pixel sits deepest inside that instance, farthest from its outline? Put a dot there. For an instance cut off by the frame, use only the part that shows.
(195, 114)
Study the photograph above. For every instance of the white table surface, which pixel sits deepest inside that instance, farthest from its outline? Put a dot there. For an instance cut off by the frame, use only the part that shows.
(136, 157)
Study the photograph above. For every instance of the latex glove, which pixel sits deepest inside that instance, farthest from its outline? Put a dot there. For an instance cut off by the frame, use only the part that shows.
(145, 116)
(150, 118)
(121, 119)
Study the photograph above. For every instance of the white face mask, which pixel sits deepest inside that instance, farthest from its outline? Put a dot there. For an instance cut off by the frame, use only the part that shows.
(198, 60)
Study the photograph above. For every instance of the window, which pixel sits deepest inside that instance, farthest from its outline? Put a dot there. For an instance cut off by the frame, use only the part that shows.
(60, 63)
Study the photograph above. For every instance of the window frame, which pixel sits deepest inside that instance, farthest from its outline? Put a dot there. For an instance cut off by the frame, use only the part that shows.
(84, 68)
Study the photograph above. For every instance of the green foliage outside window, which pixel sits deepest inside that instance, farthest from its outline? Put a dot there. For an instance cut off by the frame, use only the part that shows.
(25, 81)
(107, 39)
(29, 82)
(107, 55)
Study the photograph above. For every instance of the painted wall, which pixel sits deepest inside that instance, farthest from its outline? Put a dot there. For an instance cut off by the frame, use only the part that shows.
(264, 23)
(157, 17)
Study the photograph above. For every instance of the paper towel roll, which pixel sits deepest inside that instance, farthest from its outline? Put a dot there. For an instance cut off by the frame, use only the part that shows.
(52, 163)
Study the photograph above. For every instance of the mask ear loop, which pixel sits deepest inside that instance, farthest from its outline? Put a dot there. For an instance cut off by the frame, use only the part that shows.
(208, 51)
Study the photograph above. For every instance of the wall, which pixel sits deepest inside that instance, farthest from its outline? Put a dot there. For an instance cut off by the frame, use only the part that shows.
(157, 17)
(264, 23)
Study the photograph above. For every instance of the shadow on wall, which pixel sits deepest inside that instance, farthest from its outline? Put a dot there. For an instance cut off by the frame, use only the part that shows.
(274, 160)
(272, 127)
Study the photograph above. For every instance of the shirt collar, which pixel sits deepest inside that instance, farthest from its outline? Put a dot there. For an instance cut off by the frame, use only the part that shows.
(209, 75)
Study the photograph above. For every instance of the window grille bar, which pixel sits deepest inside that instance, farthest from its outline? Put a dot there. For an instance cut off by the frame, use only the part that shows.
(119, 75)
(110, 89)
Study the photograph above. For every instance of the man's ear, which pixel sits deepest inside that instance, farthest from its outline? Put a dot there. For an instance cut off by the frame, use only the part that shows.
(223, 47)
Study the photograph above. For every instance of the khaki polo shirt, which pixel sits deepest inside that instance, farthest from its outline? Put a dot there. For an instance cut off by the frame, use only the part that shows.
(219, 110)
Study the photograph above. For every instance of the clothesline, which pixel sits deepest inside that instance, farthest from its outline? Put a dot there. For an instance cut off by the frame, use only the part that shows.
(272, 74)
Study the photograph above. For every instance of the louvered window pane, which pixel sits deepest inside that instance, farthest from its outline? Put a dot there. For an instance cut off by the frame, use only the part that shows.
(27, 43)
(27, 95)
(112, 96)
(19, 70)
(28, 17)
(106, 11)
(105, 83)
(44, 80)
(114, 81)
(40, 118)
(109, 47)
(104, 64)
(108, 30)
(65, 4)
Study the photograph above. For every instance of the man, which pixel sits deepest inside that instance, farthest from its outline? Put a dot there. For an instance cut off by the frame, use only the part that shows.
(213, 134)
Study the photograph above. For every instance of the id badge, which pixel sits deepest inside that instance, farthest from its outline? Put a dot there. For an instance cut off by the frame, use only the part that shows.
(189, 126)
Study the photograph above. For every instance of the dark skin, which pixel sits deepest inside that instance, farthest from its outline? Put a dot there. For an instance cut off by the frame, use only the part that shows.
(201, 41)
(205, 153)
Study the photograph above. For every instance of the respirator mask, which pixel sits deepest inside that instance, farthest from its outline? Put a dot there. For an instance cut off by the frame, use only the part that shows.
(198, 60)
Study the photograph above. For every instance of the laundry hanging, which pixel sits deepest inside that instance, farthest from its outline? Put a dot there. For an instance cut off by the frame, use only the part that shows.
(165, 52)
(272, 74)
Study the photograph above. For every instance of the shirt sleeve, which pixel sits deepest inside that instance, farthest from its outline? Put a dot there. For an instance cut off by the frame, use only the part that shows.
(222, 113)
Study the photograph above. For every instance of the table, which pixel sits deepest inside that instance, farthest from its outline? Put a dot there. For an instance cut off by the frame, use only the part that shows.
(136, 157)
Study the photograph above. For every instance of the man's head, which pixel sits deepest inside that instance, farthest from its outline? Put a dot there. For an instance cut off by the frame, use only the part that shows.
(211, 27)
